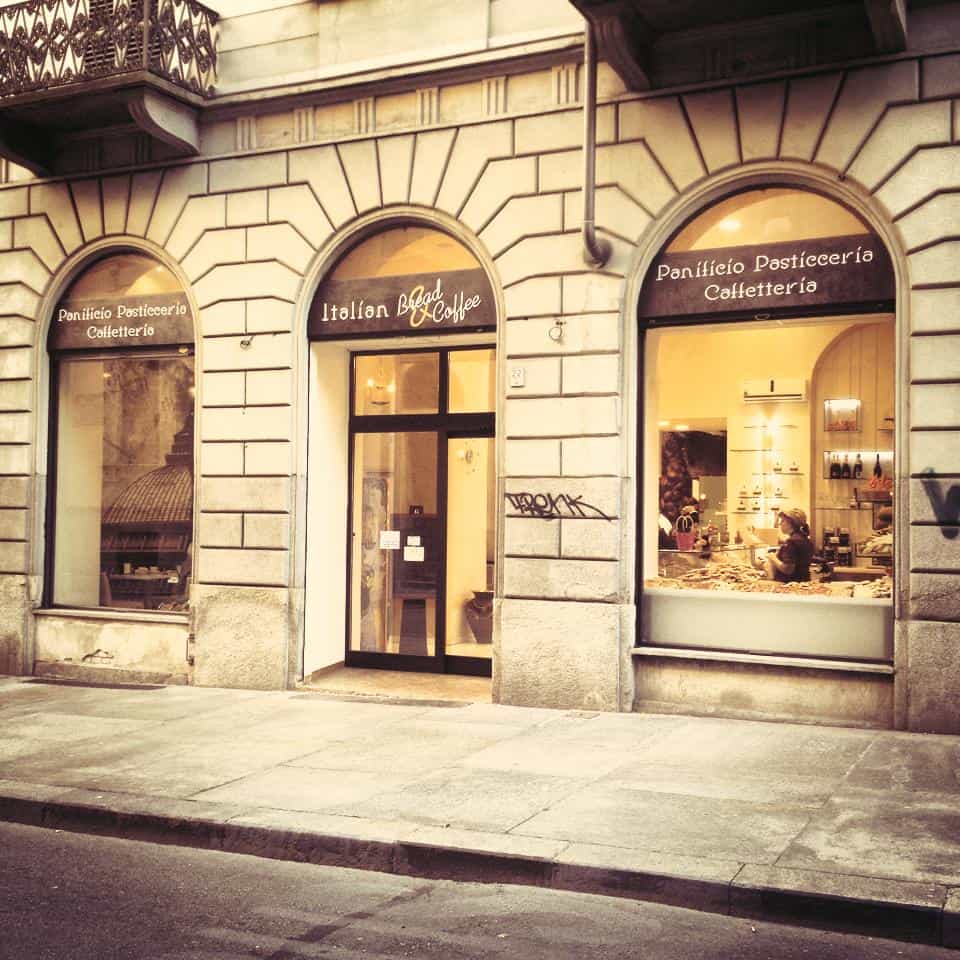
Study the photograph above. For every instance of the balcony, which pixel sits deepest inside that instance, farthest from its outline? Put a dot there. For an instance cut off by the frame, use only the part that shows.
(93, 84)
(660, 43)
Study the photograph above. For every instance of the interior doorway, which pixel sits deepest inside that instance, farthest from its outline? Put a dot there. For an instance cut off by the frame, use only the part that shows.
(421, 529)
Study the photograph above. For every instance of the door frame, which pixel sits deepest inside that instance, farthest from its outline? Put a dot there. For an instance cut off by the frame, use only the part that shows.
(443, 425)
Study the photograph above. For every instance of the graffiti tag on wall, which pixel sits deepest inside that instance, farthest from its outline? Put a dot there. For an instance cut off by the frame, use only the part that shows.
(554, 506)
(946, 506)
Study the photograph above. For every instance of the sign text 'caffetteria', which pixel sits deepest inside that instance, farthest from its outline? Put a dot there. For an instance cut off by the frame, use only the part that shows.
(147, 320)
(836, 270)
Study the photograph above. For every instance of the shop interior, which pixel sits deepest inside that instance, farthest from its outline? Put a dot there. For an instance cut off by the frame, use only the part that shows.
(749, 420)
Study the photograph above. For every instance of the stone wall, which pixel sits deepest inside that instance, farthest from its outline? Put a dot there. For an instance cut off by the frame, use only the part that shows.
(247, 230)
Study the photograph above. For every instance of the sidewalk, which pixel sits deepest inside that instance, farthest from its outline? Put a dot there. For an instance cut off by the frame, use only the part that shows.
(834, 828)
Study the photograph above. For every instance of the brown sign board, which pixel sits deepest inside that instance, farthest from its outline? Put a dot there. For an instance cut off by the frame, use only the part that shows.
(446, 302)
(158, 319)
(766, 277)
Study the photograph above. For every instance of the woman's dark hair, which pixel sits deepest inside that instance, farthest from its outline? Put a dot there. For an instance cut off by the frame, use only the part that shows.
(801, 527)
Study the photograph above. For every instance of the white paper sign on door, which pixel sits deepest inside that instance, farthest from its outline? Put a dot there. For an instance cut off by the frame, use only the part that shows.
(413, 554)
(389, 539)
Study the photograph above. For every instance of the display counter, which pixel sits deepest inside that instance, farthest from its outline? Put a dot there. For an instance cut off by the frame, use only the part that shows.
(721, 602)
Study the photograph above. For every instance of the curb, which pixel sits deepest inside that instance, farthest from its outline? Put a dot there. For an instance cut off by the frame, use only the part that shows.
(898, 910)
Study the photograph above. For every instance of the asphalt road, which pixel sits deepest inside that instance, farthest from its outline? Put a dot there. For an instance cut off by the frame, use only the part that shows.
(67, 896)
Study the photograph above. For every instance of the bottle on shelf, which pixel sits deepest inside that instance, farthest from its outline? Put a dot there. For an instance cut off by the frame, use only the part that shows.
(845, 469)
(834, 467)
(794, 467)
(857, 467)
(757, 490)
(778, 465)
(877, 469)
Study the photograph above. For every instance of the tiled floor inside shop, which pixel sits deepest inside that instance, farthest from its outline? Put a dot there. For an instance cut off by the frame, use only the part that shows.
(398, 684)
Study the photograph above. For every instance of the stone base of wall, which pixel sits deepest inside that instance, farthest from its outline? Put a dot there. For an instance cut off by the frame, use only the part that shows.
(931, 662)
(104, 676)
(14, 613)
(143, 650)
(559, 654)
(763, 692)
(243, 636)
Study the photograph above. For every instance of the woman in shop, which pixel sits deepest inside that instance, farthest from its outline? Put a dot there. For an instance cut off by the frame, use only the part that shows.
(790, 563)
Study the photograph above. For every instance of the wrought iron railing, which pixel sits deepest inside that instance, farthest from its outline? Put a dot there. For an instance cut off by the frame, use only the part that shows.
(50, 43)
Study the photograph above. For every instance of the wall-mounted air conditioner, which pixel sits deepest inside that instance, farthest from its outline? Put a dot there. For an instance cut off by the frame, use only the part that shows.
(777, 389)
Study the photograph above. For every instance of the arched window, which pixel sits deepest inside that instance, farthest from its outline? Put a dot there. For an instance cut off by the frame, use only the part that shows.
(775, 251)
(768, 434)
(121, 488)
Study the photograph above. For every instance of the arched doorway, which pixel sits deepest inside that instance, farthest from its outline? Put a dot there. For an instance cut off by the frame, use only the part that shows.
(403, 379)
(740, 552)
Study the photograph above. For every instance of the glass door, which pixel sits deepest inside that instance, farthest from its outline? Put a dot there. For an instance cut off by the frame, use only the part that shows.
(396, 545)
(471, 548)
(423, 507)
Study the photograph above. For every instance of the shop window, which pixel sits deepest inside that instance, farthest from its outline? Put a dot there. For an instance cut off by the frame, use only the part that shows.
(405, 383)
(473, 384)
(121, 507)
(767, 510)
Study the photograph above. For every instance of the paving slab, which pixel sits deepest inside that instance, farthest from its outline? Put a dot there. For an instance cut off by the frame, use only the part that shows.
(474, 799)
(902, 763)
(306, 789)
(162, 808)
(482, 841)
(436, 744)
(754, 787)
(34, 792)
(698, 882)
(547, 755)
(63, 727)
(618, 814)
(873, 833)
(712, 747)
(498, 713)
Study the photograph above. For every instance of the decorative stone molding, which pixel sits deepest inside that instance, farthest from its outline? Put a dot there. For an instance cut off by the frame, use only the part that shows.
(304, 124)
(428, 106)
(494, 94)
(364, 117)
(564, 86)
(246, 133)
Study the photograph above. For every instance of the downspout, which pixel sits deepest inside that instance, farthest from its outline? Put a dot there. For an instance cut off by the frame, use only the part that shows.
(596, 250)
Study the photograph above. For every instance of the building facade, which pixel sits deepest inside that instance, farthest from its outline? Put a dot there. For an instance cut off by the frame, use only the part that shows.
(309, 366)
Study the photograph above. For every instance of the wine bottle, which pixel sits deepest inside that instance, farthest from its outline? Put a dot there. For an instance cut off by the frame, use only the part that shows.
(877, 469)
(845, 469)
(857, 467)
(834, 468)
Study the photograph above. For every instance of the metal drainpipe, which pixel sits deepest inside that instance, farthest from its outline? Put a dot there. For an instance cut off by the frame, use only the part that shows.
(596, 250)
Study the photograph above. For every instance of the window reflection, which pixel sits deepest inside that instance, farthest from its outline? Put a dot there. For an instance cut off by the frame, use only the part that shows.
(397, 383)
(124, 497)
(472, 381)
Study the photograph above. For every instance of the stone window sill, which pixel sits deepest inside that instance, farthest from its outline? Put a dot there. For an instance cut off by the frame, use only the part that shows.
(127, 616)
(798, 663)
